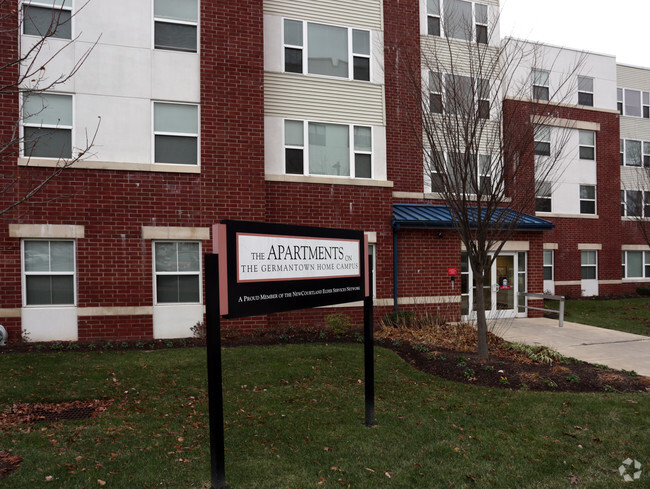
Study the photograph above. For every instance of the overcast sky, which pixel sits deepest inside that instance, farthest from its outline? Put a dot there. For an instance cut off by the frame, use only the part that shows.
(620, 27)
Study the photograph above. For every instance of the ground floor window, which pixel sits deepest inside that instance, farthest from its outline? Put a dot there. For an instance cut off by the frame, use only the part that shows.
(589, 265)
(48, 272)
(636, 264)
(548, 265)
(177, 267)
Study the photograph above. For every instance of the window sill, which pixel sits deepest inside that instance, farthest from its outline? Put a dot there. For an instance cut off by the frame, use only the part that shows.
(110, 165)
(361, 182)
(566, 216)
(634, 219)
(636, 280)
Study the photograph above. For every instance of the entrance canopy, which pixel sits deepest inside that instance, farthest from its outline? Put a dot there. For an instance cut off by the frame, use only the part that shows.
(439, 216)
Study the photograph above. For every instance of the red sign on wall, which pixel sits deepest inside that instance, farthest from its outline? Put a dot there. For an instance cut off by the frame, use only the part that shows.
(452, 272)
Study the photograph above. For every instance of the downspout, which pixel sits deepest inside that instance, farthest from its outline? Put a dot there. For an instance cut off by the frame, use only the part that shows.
(395, 283)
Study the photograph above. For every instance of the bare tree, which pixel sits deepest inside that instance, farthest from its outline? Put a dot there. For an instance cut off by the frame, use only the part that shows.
(24, 75)
(635, 196)
(485, 134)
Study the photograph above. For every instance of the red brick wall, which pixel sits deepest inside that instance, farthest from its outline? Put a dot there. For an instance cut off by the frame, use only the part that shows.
(402, 78)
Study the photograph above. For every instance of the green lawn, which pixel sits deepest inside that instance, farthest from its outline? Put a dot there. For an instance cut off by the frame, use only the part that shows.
(628, 315)
(295, 419)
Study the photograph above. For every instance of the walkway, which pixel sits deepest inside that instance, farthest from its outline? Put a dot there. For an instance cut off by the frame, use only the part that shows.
(621, 351)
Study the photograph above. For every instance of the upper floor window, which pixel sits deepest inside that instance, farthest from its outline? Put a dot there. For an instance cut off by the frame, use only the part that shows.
(540, 84)
(49, 272)
(176, 133)
(176, 25)
(636, 264)
(635, 153)
(47, 125)
(635, 203)
(543, 197)
(48, 18)
(457, 180)
(587, 199)
(458, 19)
(585, 91)
(542, 136)
(462, 95)
(328, 150)
(633, 103)
(587, 145)
(329, 50)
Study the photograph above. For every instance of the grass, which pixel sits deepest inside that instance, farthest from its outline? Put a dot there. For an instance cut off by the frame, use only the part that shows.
(627, 315)
(294, 419)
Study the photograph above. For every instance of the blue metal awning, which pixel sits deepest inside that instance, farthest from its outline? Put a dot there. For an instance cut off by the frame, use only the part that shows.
(439, 216)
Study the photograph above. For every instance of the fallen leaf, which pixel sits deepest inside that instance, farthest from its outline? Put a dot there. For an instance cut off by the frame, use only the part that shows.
(101, 482)
(49, 478)
(574, 480)
(387, 474)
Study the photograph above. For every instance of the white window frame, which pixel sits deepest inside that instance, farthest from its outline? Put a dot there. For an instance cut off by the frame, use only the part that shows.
(440, 16)
(305, 50)
(65, 5)
(645, 265)
(542, 135)
(544, 192)
(583, 91)
(582, 145)
(548, 265)
(536, 86)
(432, 15)
(305, 149)
(155, 133)
(53, 127)
(26, 274)
(584, 266)
(588, 200)
(478, 94)
(645, 105)
(624, 147)
(165, 20)
(644, 203)
(482, 172)
(156, 273)
(619, 101)
(624, 98)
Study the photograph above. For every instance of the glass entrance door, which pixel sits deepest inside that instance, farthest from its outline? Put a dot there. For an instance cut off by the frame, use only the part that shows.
(504, 279)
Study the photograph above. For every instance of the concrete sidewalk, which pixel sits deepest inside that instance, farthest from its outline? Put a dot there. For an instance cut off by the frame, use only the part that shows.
(621, 351)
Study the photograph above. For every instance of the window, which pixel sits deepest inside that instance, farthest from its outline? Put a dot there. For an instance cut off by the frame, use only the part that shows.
(464, 284)
(646, 154)
(176, 25)
(619, 100)
(646, 105)
(587, 145)
(636, 264)
(176, 133)
(635, 203)
(328, 151)
(47, 125)
(177, 272)
(543, 197)
(585, 91)
(433, 17)
(548, 264)
(631, 152)
(437, 182)
(485, 174)
(457, 21)
(329, 50)
(540, 85)
(630, 102)
(589, 264)
(49, 272)
(483, 94)
(435, 93)
(45, 18)
(542, 140)
(587, 199)
(481, 18)
(459, 180)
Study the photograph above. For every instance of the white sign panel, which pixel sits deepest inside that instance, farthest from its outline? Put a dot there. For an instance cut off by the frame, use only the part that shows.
(263, 258)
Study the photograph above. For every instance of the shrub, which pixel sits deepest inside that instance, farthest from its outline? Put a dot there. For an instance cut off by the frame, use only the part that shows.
(399, 319)
(198, 330)
(643, 290)
(338, 323)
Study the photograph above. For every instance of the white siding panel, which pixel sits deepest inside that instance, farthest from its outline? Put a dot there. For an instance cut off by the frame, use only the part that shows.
(635, 128)
(367, 14)
(632, 77)
(305, 97)
(452, 56)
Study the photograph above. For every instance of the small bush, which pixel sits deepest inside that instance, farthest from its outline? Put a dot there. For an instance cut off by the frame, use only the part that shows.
(198, 330)
(469, 373)
(399, 319)
(643, 290)
(573, 378)
(338, 323)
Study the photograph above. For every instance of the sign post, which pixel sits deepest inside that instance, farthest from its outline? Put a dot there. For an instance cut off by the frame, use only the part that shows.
(262, 268)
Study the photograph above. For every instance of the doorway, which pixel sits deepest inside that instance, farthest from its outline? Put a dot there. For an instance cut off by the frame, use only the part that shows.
(504, 279)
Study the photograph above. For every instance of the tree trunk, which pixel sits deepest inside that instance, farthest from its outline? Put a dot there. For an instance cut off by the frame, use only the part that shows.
(481, 321)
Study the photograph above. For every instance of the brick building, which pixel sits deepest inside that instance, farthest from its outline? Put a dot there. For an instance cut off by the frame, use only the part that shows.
(291, 112)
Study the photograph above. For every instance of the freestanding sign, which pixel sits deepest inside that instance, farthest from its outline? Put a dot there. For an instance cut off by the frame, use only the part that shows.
(273, 267)
(262, 268)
